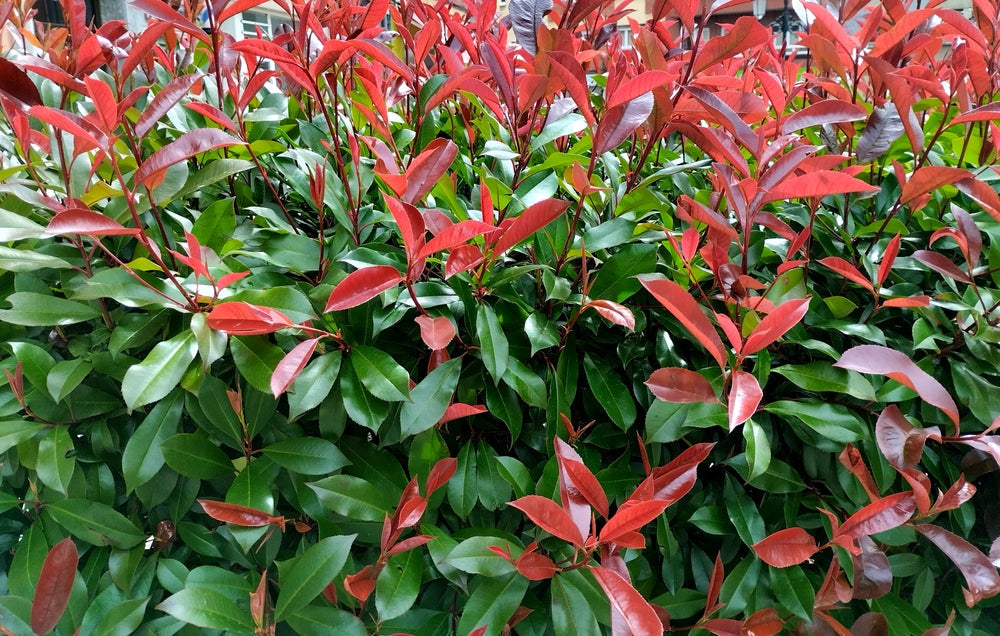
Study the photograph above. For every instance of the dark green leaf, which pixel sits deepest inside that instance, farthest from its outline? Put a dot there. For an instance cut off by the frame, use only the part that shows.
(611, 392)
(492, 603)
(380, 374)
(40, 310)
(157, 375)
(398, 585)
(143, 457)
(208, 609)
(352, 497)
(96, 523)
(430, 398)
(307, 455)
(311, 572)
(492, 342)
(193, 455)
(55, 464)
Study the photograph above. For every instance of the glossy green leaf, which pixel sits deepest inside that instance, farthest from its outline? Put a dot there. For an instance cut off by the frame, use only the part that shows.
(193, 455)
(398, 585)
(493, 345)
(362, 407)
(380, 374)
(430, 398)
(32, 309)
(611, 392)
(123, 618)
(571, 613)
(306, 455)
(208, 609)
(492, 603)
(493, 490)
(157, 375)
(462, 487)
(220, 419)
(758, 449)
(95, 523)
(743, 513)
(143, 457)
(823, 376)
(55, 462)
(832, 421)
(13, 432)
(311, 572)
(793, 590)
(352, 497)
(318, 620)
(528, 384)
(66, 376)
(256, 359)
(473, 555)
(541, 332)
(313, 384)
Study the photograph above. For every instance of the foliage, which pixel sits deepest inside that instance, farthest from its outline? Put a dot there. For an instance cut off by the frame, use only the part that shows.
(409, 330)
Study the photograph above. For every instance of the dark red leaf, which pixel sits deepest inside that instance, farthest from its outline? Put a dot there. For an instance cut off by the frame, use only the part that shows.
(614, 312)
(191, 143)
(621, 121)
(745, 34)
(960, 492)
(212, 113)
(455, 235)
(887, 259)
(631, 516)
(714, 585)
(830, 111)
(441, 473)
(724, 626)
(549, 516)
(675, 384)
(80, 128)
(940, 264)
(901, 442)
(362, 285)
(573, 469)
(677, 478)
(817, 184)
(725, 116)
(896, 365)
(436, 332)
(243, 319)
(765, 622)
(930, 178)
(884, 514)
(568, 71)
(872, 576)
(968, 230)
(291, 365)
(687, 310)
(744, 397)
(983, 194)
(870, 624)
(638, 614)
(534, 218)
(979, 572)
(428, 167)
(459, 410)
(775, 324)
(55, 582)
(15, 84)
(239, 515)
(787, 547)
(83, 221)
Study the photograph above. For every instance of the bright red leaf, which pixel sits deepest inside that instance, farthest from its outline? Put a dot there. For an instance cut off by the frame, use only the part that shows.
(631, 516)
(817, 184)
(577, 473)
(459, 410)
(455, 235)
(786, 548)
(534, 218)
(677, 478)
(83, 221)
(549, 516)
(441, 473)
(830, 111)
(929, 178)
(775, 325)
(362, 285)
(436, 332)
(360, 585)
(674, 384)
(427, 167)
(848, 271)
(638, 614)
(291, 365)
(574, 502)
(191, 143)
(891, 250)
(243, 319)
(744, 397)
(885, 514)
(765, 622)
(686, 309)
(55, 582)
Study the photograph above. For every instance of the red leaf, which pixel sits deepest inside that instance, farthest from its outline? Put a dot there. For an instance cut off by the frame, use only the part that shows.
(83, 221)
(573, 500)
(686, 310)
(455, 235)
(576, 473)
(982, 113)
(462, 258)
(775, 324)
(613, 312)
(15, 84)
(930, 178)
(534, 218)
(744, 397)
(817, 184)
(960, 492)
(896, 365)
(360, 585)
(891, 250)
(362, 285)
(884, 514)
(724, 115)
(411, 226)
(549, 516)
(901, 442)
(239, 515)
(830, 111)
(258, 600)
(621, 121)
(479, 631)
(677, 478)
(872, 576)
(565, 68)
(409, 544)
(55, 582)
(982, 193)
(212, 113)
(72, 123)
(724, 626)
(291, 365)
(980, 574)
(640, 85)
(631, 516)
(915, 301)
(428, 167)
(786, 548)
(239, 6)
(460, 410)
(765, 622)
(165, 99)
(243, 319)
(437, 332)
(638, 614)
(851, 459)
(441, 473)
(940, 264)
(191, 143)
(535, 567)
(714, 585)
(674, 384)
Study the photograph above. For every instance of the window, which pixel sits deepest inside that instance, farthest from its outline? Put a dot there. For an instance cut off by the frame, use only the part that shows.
(266, 21)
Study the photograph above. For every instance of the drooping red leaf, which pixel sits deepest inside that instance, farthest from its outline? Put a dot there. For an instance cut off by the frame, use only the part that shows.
(870, 624)
(786, 548)
(620, 121)
(979, 572)
(830, 111)
(891, 250)
(724, 115)
(15, 84)
(643, 83)
(675, 384)
(920, 483)
(362, 285)
(631, 516)
(455, 235)
(191, 143)
(775, 325)
(213, 113)
(534, 218)
(900, 442)
(983, 194)
(565, 68)
(686, 309)
(243, 319)
(83, 221)
(959, 492)
(765, 622)
(675, 479)
(929, 178)
(291, 366)
(55, 582)
(744, 397)
(436, 332)
(576, 473)
(239, 515)
(637, 613)
(817, 184)
(459, 410)
(428, 167)
(885, 514)
(896, 365)
(872, 575)
(549, 516)
(441, 473)
(615, 313)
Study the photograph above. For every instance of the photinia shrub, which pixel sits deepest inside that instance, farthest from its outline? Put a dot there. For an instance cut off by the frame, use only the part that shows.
(420, 319)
